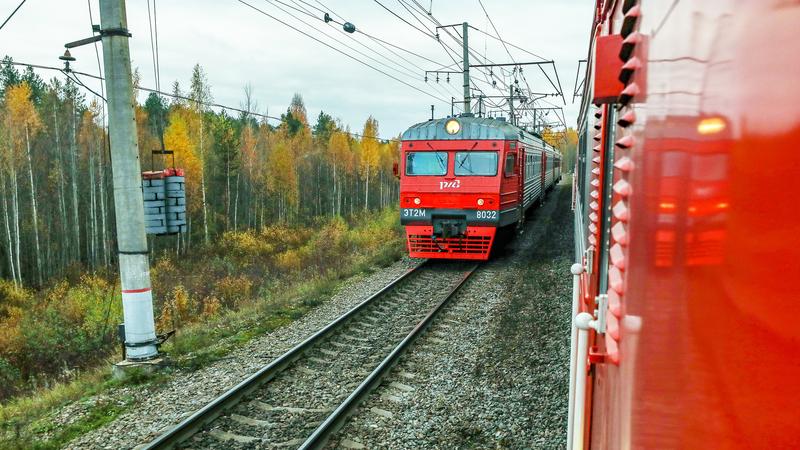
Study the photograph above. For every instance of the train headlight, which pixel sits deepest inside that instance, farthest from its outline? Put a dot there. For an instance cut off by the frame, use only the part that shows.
(480, 202)
(452, 126)
(417, 201)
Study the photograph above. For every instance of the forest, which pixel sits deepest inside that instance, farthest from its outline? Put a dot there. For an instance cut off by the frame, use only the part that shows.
(268, 206)
(242, 172)
(277, 213)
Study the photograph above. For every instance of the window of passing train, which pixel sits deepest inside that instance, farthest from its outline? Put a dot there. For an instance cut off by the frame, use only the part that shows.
(511, 159)
(476, 163)
(426, 163)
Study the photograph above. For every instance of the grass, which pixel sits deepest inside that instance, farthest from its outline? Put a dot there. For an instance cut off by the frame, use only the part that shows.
(28, 422)
(27, 417)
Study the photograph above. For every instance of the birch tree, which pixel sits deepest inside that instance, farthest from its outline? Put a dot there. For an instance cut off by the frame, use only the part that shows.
(24, 124)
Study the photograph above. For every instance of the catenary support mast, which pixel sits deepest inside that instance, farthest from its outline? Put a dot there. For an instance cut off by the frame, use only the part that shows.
(464, 30)
(134, 269)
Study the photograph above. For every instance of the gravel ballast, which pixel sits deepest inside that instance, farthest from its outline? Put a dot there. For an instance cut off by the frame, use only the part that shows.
(492, 371)
(155, 408)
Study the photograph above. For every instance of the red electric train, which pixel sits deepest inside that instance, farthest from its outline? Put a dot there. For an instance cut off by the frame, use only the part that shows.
(462, 178)
(685, 298)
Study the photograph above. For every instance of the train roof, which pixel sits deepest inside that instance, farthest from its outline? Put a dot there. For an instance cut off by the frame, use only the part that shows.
(472, 128)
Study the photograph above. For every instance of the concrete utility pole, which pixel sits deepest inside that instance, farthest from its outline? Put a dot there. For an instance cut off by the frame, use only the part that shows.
(134, 267)
(464, 29)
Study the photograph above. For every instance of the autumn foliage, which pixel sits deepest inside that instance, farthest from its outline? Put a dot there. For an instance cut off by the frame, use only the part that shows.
(269, 203)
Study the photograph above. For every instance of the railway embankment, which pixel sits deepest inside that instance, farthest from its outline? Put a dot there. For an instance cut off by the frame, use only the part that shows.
(492, 372)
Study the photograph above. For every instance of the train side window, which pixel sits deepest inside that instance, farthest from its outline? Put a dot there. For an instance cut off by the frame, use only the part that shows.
(510, 166)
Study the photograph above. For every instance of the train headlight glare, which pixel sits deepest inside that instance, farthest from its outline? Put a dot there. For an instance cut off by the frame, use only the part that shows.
(417, 201)
(480, 202)
(452, 126)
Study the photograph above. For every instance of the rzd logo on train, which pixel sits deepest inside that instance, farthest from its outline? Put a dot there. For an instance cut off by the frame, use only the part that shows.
(455, 184)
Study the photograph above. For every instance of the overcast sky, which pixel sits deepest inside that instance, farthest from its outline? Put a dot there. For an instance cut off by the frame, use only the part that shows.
(237, 45)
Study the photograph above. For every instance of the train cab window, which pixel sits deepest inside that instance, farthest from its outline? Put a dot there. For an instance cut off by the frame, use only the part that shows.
(426, 163)
(476, 163)
(510, 166)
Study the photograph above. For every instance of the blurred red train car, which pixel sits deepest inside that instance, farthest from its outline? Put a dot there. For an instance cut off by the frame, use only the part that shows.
(462, 178)
(685, 298)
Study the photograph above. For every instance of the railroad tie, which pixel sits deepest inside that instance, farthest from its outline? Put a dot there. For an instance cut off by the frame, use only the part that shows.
(401, 386)
(226, 436)
(244, 420)
(266, 407)
(382, 412)
(351, 444)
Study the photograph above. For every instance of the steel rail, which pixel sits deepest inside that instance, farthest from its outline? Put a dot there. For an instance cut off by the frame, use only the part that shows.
(192, 424)
(340, 415)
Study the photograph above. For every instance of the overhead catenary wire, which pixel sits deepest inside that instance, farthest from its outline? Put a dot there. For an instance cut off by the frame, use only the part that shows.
(12, 13)
(152, 45)
(375, 38)
(339, 50)
(446, 47)
(276, 2)
(404, 72)
(427, 33)
(99, 64)
(158, 57)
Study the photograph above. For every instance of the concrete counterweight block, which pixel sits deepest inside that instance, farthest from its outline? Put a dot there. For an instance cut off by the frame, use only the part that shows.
(175, 189)
(155, 219)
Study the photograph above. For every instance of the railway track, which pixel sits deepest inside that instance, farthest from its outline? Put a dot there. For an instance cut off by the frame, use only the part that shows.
(301, 398)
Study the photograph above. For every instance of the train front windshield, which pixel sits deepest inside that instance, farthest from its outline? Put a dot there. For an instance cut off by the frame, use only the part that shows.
(426, 163)
(476, 163)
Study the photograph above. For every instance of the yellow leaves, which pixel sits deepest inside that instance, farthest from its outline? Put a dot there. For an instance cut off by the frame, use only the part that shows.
(233, 290)
(21, 112)
(245, 243)
(177, 310)
(281, 173)
(211, 307)
(177, 138)
(21, 120)
(370, 147)
(339, 152)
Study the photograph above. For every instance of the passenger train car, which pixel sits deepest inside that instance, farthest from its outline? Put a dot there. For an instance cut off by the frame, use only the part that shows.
(462, 178)
(685, 299)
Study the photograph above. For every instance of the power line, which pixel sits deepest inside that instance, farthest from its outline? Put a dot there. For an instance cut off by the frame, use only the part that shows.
(152, 44)
(380, 42)
(339, 51)
(166, 94)
(427, 33)
(491, 22)
(158, 56)
(406, 73)
(508, 43)
(12, 13)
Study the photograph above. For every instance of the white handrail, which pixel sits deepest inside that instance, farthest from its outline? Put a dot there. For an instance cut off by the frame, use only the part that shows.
(582, 322)
(577, 270)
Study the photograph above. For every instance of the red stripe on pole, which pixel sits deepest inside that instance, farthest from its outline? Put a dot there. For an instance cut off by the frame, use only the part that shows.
(135, 291)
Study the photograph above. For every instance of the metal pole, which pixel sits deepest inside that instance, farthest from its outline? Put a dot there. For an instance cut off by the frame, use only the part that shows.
(134, 268)
(432, 116)
(464, 28)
